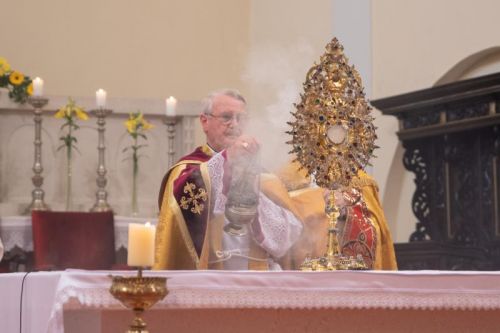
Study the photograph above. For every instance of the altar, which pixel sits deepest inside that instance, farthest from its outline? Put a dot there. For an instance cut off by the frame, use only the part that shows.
(16, 234)
(247, 301)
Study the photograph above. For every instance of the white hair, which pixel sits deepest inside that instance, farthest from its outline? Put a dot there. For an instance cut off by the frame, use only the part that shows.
(207, 102)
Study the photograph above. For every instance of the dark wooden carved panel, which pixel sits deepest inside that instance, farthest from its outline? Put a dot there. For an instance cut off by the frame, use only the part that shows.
(451, 137)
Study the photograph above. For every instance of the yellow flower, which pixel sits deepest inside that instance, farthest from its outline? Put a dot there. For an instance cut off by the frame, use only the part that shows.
(60, 113)
(81, 114)
(136, 123)
(146, 125)
(4, 66)
(69, 109)
(131, 125)
(16, 78)
(30, 89)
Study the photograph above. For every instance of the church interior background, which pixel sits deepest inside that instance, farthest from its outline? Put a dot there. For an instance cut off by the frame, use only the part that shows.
(186, 49)
(142, 53)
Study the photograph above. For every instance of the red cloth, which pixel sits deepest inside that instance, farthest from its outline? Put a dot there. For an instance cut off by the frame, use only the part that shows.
(73, 240)
(197, 155)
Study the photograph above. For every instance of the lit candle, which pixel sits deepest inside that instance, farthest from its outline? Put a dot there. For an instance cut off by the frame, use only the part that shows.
(100, 96)
(141, 244)
(37, 87)
(171, 104)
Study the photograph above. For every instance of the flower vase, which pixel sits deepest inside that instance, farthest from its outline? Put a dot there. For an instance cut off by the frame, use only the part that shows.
(69, 170)
(134, 186)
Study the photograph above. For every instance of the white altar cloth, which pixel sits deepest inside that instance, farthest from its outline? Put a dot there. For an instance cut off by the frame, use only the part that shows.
(44, 304)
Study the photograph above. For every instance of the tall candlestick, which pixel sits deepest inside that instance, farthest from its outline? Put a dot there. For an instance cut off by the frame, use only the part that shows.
(100, 96)
(171, 103)
(37, 194)
(37, 87)
(101, 204)
(170, 121)
(141, 244)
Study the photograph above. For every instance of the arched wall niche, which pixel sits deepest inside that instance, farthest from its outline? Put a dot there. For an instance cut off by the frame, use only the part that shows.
(481, 63)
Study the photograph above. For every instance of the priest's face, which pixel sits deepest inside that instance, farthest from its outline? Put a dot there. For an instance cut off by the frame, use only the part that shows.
(225, 123)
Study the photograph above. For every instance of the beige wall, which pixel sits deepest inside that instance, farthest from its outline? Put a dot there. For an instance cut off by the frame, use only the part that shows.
(141, 49)
(141, 52)
(286, 38)
(414, 44)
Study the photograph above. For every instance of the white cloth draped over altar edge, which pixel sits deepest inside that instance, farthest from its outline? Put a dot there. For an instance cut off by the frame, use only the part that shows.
(49, 294)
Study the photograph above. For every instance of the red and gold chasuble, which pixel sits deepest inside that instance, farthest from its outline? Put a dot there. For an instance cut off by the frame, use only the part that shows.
(184, 206)
(187, 235)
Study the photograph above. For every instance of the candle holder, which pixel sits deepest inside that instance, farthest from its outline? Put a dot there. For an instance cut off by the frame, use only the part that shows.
(171, 121)
(37, 194)
(101, 204)
(138, 294)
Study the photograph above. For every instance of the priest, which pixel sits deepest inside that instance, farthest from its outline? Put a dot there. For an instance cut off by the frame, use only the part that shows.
(194, 194)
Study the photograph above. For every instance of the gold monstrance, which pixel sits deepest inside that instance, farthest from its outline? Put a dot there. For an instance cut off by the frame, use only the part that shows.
(333, 137)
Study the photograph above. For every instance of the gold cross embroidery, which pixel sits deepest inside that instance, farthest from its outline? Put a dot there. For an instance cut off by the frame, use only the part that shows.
(194, 199)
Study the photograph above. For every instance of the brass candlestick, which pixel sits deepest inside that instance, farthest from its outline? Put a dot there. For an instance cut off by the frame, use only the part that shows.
(37, 194)
(101, 204)
(138, 294)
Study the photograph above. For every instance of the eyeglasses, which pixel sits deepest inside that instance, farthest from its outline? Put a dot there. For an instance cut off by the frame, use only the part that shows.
(227, 118)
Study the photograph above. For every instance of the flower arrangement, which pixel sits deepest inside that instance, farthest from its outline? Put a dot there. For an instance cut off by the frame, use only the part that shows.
(70, 112)
(136, 127)
(18, 84)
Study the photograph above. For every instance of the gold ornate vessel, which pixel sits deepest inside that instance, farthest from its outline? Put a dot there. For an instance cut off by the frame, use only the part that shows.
(138, 293)
(333, 137)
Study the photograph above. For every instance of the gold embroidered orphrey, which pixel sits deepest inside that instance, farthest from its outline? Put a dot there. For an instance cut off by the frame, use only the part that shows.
(195, 199)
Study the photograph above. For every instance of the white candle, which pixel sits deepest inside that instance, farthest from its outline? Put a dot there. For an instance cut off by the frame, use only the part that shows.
(141, 244)
(171, 104)
(100, 96)
(37, 87)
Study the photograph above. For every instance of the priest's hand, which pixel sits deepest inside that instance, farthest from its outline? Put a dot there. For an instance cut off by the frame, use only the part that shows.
(339, 198)
(343, 197)
(243, 147)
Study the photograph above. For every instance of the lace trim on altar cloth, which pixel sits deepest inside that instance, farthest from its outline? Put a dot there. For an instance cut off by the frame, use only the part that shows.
(193, 297)
(287, 290)
(17, 236)
(75, 297)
